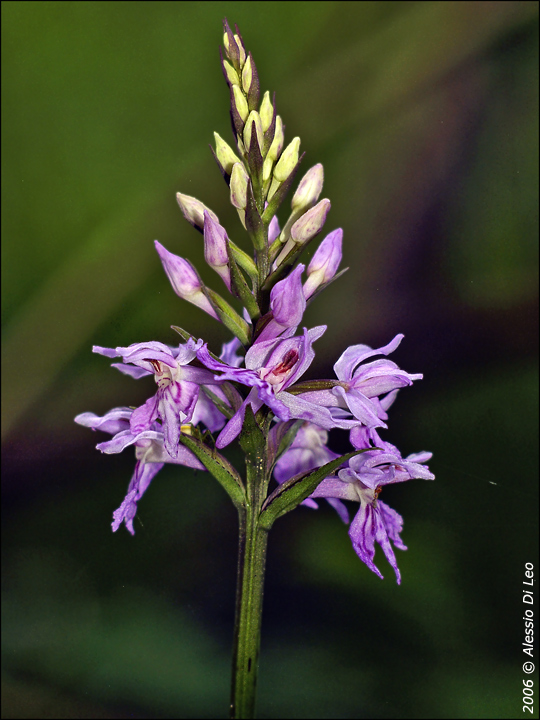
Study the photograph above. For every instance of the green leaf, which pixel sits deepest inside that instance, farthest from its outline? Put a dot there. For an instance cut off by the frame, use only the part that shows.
(218, 402)
(282, 440)
(310, 385)
(229, 317)
(287, 496)
(241, 289)
(219, 467)
(279, 195)
(244, 260)
(252, 440)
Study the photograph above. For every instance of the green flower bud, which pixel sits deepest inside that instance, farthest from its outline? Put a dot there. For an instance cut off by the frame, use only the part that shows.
(232, 75)
(277, 143)
(240, 103)
(225, 154)
(266, 111)
(193, 210)
(288, 160)
(267, 169)
(241, 49)
(238, 186)
(254, 120)
(247, 76)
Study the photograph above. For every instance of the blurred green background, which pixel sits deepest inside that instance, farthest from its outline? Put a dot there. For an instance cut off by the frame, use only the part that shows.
(425, 116)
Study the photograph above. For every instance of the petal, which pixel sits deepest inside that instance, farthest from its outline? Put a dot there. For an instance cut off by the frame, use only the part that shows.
(233, 428)
(363, 532)
(353, 355)
(142, 477)
(112, 422)
(361, 407)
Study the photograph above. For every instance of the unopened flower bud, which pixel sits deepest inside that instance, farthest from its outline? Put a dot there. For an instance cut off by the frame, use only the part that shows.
(273, 229)
(241, 49)
(254, 120)
(240, 103)
(247, 75)
(277, 143)
(310, 223)
(232, 75)
(238, 186)
(225, 154)
(324, 263)
(287, 299)
(193, 210)
(309, 189)
(215, 248)
(266, 111)
(287, 303)
(268, 164)
(288, 160)
(184, 279)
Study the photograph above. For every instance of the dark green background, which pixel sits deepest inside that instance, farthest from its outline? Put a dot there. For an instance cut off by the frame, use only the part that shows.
(425, 116)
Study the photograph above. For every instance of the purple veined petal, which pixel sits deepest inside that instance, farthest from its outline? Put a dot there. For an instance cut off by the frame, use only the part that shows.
(381, 377)
(142, 477)
(362, 437)
(381, 534)
(307, 354)
(195, 375)
(188, 352)
(388, 400)
(229, 353)
(241, 375)
(112, 422)
(304, 410)
(362, 532)
(143, 417)
(301, 459)
(156, 453)
(355, 354)
(108, 352)
(420, 457)
(118, 443)
(393, 523)
(131, 370)
(233, 428)
(169, 410)
(360, 406)
(138, 353)
(325, 398)
(206, 412)
(333, 487)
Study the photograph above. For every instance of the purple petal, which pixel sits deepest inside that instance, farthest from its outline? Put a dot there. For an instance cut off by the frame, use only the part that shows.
(142, 477)
(355, 354)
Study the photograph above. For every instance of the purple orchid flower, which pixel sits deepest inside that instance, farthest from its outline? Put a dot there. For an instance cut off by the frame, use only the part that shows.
(307, 452)
(362, 481)
(270, 368)
(361, 385)
(178, 385)
(150, 452)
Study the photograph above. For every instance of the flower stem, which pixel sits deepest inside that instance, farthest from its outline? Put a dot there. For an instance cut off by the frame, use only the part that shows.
(249, 596)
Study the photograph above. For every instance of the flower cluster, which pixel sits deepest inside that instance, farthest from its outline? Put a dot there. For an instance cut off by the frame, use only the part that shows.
(257, 377)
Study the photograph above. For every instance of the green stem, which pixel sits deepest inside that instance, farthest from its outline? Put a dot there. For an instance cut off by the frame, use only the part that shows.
(249, 597)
